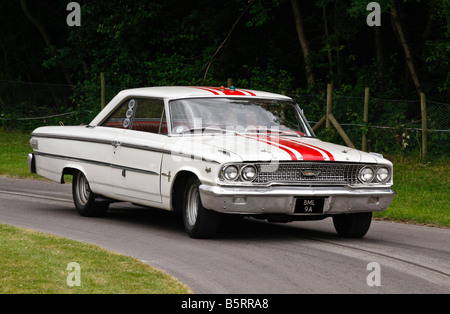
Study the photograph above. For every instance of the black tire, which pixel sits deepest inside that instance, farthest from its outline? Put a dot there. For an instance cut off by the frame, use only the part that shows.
(84, 198)
(352, 225)
(199, 222)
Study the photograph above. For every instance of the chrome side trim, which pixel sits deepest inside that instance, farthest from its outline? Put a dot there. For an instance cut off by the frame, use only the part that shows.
(98, 163)
(122, 144)
(71, 137)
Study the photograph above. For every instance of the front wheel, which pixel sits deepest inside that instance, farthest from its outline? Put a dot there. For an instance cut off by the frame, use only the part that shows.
(352, 225)
(199, 222)
(84, 198)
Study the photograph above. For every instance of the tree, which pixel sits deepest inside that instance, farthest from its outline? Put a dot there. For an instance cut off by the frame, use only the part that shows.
(303, 42)
(402, 39)
(45, 36)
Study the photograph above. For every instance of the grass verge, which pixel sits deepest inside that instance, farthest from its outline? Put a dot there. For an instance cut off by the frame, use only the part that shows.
(423, 193)
(14, 147)
(32, 262)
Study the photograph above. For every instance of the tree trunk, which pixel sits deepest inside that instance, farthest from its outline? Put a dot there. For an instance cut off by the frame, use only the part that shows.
(405, 46)
(303, 42)
(328, 44)
(380, 56)
(44, 35)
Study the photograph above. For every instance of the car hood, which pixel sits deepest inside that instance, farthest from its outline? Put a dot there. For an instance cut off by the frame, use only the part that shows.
(248, 147)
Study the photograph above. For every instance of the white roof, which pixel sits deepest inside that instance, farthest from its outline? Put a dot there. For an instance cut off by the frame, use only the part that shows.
(174, 92)
(196, 91)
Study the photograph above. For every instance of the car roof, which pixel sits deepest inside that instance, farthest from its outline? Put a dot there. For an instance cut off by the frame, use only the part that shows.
(180, 92)
(196, 91)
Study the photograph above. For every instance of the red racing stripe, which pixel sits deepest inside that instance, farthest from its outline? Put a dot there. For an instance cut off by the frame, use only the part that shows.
(228, 91)
(206, 89)
(325, 151)
(257, 138)
(225, 91)
(249, 92)
(308, 153)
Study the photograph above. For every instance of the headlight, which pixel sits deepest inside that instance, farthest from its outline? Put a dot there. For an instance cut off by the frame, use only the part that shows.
(230, 173)
(383, 174)
(248, 173)
(366, 175)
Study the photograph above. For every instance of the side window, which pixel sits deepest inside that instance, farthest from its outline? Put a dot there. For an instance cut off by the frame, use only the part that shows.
(122, 118)
(150, 116)
(139, 114)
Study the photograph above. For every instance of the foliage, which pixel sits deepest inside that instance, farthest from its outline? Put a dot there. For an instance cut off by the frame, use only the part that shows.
(143, 43)
(192, 42)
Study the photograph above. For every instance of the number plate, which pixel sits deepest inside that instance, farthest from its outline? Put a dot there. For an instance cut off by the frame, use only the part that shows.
(309, 205)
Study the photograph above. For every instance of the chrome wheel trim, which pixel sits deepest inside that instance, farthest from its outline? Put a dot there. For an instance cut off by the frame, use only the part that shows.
(83, 190)
(192, 205)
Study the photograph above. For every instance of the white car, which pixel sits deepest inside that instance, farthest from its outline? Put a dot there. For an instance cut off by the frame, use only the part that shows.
(210, 151)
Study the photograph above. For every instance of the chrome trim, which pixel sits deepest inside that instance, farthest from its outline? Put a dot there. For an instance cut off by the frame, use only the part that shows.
(122, 144)
(31, 163)
(306, 173)
(98, 163)
(71, 138)
(281, 200)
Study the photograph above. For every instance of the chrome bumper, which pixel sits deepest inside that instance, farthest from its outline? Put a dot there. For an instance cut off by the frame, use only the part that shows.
(281, 200)
(31, 163)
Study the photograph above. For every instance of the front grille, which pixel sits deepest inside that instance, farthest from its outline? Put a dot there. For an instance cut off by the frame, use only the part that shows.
(307, 172)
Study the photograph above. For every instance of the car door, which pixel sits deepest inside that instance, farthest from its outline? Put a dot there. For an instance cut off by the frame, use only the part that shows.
(136, 162)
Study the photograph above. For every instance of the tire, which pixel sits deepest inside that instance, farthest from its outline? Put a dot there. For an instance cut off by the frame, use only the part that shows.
(84, 198)
(199, 222)
(352, 225)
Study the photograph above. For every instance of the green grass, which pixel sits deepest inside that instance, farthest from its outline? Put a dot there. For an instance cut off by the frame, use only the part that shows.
(14, 147)
(423, 193)
(36, 263)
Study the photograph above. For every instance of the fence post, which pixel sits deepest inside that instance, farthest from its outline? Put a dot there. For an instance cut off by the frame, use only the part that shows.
(329, 102)
(341, 131)
(423, 106)
(366, 118)
(102, 79)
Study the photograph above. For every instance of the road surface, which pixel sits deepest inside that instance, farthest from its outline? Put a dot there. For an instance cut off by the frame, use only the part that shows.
(248, 256)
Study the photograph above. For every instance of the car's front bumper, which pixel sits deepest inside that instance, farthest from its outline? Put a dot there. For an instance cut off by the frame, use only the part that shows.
(282, 200)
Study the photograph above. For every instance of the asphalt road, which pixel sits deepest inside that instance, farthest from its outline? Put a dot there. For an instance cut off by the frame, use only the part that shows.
(248, 256)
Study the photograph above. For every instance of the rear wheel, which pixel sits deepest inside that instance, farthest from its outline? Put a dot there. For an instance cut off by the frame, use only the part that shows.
(84, 198)
(199, 222)
(352, 225)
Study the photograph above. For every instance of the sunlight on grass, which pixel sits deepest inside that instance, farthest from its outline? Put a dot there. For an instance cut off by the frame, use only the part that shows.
(34, 262)
(422, 193)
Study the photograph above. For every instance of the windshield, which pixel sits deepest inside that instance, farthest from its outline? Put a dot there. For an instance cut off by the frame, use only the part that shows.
(237, 115)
